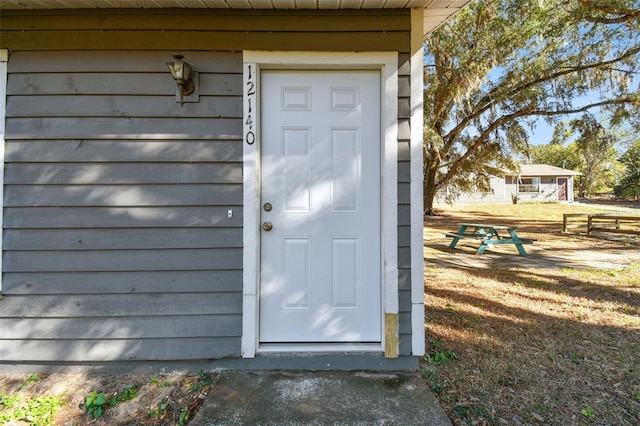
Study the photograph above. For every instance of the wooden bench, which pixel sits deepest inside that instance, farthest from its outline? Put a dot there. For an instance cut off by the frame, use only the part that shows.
(611, 223)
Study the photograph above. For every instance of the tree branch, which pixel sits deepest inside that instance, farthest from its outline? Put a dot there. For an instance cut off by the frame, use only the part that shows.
(622, 15)
(491, 98)
(527, 112)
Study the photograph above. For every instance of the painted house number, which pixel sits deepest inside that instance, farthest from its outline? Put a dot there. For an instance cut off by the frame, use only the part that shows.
(250, 136)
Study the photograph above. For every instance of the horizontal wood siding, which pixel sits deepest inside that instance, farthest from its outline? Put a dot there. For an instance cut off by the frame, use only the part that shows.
(118, 245)
(124, 305)
(114, 86)
(404, 205)
(170, 326)
(35, 350)
(497, 194)
(122, 174)
(129, 282)
(121, 260)
(162, 148)
(112, 239)
(120, 217)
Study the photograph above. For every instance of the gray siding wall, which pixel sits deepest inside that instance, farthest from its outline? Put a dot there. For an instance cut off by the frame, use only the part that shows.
(117, 244)
(404, 203)
(548, 190)
(497, 195)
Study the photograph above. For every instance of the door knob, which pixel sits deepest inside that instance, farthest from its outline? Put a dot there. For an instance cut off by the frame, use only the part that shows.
(267, 226)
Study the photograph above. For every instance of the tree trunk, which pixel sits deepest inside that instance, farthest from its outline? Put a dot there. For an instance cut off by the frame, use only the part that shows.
(429, 188)
(586, 183)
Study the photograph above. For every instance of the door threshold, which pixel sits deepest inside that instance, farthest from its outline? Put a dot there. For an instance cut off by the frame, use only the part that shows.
(319, 347)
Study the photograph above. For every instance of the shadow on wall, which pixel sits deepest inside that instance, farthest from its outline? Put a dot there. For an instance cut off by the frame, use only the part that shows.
(118, 243)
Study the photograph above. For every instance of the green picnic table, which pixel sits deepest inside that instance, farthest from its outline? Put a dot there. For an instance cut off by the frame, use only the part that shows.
(489, 235)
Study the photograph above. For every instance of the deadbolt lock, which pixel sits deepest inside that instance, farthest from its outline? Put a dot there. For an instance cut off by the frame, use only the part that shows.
(267, 207)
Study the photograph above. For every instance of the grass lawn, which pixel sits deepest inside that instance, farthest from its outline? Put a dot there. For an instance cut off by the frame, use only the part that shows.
(521, 345)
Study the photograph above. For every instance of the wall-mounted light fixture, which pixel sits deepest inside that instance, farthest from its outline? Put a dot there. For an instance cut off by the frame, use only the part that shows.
(181, 73)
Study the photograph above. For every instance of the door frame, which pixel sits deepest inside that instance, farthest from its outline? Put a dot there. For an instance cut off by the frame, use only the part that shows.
(253, 63)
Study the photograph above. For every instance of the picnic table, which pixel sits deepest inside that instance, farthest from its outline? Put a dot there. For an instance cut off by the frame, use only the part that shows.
(488, 235)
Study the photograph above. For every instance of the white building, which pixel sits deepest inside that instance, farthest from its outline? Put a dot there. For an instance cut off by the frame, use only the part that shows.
(533, 183)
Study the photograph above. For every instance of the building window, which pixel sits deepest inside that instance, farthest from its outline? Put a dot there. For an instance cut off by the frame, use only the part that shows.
(528, 185)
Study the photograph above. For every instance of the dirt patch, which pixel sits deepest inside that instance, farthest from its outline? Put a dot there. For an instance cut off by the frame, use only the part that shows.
(168, 399)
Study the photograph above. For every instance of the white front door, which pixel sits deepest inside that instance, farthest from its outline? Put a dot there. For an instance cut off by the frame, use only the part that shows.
(320, 192)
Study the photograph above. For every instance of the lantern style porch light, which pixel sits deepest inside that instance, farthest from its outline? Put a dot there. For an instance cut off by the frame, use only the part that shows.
(181, 73)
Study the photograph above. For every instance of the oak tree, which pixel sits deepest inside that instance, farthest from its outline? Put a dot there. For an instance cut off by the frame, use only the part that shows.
(500, 65)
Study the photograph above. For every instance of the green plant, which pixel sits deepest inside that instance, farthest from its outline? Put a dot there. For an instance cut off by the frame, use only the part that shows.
(438, 389)
(155, 381)
(203, 380)
(30, 379)
(128, 393)
(432, 377)
(38, 411)
(473, 410)
(541, 407)
(575, 358)
(589, 413)
(159, 411)
(461, 410)
(440, 357)
(95, 403)
(429, 374)
(183, 417)
(7, 403)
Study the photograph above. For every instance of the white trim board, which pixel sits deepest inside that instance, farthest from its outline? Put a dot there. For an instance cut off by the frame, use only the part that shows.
(4, 58)
(253, 62)
(416, 189)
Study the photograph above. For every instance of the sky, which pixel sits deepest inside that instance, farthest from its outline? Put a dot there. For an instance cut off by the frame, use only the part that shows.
(542, 133)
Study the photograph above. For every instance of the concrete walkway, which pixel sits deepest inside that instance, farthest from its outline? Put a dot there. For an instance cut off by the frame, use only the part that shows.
(320, 398)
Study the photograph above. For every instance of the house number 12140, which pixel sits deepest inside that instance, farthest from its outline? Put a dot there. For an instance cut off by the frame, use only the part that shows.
(250, 136)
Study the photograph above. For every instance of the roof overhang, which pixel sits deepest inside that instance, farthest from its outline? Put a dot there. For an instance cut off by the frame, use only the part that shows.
(540, 170)
(436, 12)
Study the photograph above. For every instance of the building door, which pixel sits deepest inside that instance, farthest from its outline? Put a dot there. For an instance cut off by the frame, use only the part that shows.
(562, 189)
(320, 207)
